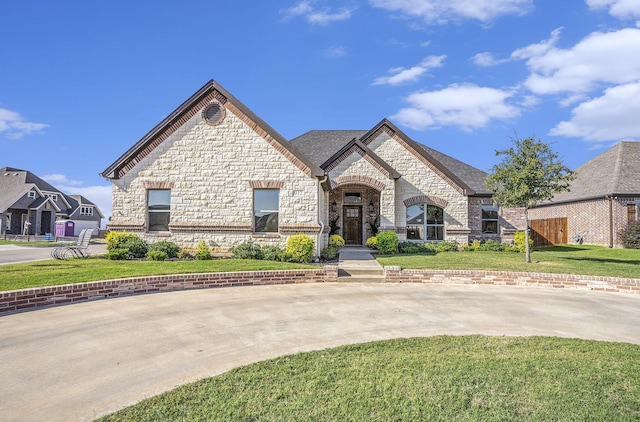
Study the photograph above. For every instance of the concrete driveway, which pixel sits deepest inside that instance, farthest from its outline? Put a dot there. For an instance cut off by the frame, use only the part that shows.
(81, 361)
(12, 254)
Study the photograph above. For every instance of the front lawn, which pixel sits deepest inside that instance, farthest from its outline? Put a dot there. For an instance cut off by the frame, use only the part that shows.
(440, 378)
(52, 272)
(565, 259)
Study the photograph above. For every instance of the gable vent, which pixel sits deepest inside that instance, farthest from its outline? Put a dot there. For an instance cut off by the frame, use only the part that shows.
(213, 113)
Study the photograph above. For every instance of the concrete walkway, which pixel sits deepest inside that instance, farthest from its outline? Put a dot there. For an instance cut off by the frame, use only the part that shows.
(81, 361)
(12, 254)
(358, 264)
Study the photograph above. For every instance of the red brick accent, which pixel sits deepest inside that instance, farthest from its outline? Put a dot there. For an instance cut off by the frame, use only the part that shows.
(299, 228)
(422, 199)
(157, 185)
(130, 226)
(30, 299)
(358, 180)
(505, 278)
(210, 227)
(266, 184)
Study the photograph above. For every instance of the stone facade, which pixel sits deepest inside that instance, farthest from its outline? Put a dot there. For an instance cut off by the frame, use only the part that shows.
(212, 172)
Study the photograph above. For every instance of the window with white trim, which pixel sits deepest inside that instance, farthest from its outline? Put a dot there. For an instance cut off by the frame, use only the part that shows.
(158, 209)
(266, 209)
(52, 196)
(490, 219)
(86, 210)
(425, 222)
(31, 194)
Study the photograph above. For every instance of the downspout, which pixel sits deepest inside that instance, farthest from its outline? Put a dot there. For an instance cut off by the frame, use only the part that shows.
(318, 248)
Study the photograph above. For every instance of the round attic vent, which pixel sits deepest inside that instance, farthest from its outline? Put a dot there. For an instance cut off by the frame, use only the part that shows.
(213, 114)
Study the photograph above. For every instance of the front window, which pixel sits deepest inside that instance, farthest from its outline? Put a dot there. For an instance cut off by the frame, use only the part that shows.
(489, 219)
(159, 209)
(86, 210)
(265, 210)
(32, 194)
(425, 222)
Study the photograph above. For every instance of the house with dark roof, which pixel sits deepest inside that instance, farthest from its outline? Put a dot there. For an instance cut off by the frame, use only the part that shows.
(214, 171)
(602, 200)
(29, 205)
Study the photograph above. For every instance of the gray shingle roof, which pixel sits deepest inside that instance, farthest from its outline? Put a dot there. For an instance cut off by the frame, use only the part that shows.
(320, 145)
(614, 172)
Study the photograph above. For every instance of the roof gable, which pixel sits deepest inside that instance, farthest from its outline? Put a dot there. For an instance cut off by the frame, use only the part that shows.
(614, 172)
(211, 91)
(357, 147)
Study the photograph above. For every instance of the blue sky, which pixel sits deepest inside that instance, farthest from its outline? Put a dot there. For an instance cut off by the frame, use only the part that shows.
(82, 81)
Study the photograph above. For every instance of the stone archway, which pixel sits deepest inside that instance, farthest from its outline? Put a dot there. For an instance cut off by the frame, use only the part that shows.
(355, 209)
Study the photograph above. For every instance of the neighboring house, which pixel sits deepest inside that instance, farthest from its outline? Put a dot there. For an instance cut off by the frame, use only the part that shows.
(603, 199)
(214, 171)
(28, 201)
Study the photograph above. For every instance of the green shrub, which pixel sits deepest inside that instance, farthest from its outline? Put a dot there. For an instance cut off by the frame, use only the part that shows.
(137, 248)
(170, 249)
(630, 236)
(202, 251)
(118, 254)
(301, 247)
(447, 246)
(372, 242)
(183, 254)
(336, 241)
(429, 247)
(247, 250)
(410, 247)
(156, 255)
(519, 242)
(329, 252)
(387, 242)
(333, 227)
(473, 246)
(491, 245)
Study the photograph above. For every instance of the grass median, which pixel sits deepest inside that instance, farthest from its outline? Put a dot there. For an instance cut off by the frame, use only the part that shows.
(565, 259)
(420, 379)
(54, 272)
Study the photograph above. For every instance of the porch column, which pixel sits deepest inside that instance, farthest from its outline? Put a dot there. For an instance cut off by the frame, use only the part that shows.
(388, 220)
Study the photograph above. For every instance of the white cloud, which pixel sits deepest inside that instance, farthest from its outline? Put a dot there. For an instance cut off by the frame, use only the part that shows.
(315, 15)
(400, 75)
(610, 117)
(14, 126)
(465, 105)
(486, 60)
(621, 9)
(538, 49)
(335, 52)
(60, 179)
(600, 58)
(442, 11)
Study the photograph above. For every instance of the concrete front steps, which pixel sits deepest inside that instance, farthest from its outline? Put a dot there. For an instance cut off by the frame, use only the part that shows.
(357, 264)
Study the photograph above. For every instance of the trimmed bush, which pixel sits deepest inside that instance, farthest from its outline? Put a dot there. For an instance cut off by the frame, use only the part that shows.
(387, 242)
(410, 247)
(329, 252)
(247, 250)
(202, 251)
(336, 241)
(630, 236)
(372, 242)
(520, 243)
(134, 246)
(491, 245)
(473, 246)
(118, 254)
(447, 246)
(170, 249)
(301, 247)
(156, 255)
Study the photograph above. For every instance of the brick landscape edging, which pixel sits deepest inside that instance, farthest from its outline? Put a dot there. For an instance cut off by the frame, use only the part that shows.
(30, 299)
(395, 274)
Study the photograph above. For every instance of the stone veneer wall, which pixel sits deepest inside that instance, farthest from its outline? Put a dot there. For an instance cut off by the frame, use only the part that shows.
(395, 274)
(210, 169)
(418, 179)
(589, 219)
(31, 299)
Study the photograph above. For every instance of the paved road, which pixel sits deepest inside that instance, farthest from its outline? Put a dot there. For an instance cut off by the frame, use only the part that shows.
(12, 254)
(80, 361)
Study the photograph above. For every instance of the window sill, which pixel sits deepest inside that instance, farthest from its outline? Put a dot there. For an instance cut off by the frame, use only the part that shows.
(159, 234)
(266, 235)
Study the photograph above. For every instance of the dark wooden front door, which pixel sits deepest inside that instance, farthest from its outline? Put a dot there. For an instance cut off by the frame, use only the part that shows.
(352, 225)
(45, 222)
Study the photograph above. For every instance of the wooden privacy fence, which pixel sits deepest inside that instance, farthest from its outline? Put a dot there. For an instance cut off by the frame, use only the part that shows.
(549, 231)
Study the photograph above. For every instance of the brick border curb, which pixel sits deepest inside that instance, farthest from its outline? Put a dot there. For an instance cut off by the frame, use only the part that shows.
(15, 301)
(395, 274)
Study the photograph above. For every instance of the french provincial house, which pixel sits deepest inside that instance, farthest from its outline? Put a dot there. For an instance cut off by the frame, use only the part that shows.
(214, 171)
(29, 205)
(603, 199)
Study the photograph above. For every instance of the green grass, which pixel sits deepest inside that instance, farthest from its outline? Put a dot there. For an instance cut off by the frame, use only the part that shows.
(53, 272)
(565, 259)
(441, 378)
